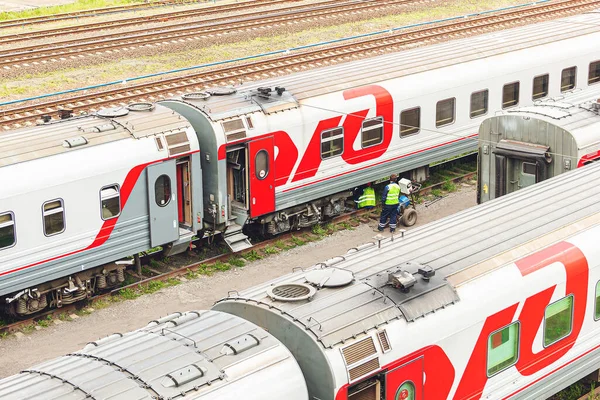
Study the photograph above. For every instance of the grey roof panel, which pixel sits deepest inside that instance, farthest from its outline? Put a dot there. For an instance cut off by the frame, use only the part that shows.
(459, 248)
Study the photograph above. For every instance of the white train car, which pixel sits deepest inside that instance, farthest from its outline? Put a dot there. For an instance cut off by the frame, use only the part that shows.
(500, 301)
(80, 194)
(521, 147)
(281, 153)
(197, 355)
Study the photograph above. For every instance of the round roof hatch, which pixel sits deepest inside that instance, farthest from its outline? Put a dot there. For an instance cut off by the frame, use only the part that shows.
(140, 107)
(291, 292)
(113, 112)
(329, 277)
(221, 91)
(195, 96)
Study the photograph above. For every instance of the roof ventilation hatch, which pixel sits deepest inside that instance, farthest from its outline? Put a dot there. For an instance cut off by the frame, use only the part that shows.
(329, 277)
(74, 142)
(291, 292)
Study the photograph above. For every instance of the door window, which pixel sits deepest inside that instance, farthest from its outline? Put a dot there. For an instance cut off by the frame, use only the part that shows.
(406, 391)
(261, 164)
(162, 190)
(529, 168)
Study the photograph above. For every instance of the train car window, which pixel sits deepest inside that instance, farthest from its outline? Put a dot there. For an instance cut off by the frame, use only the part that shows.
(503, 349)
(372, 132)
(332, 142)
(596, 307)
(558, 320)
(110, 202)
(510, 94)
(444, 112)
(594, 73)
(410, 121)
(568, 79)
(479, 103)
(261, 164)
(162, 190)
(249, 122)
(540, 86)
(8, 237)
(529, 168)
(54, 217)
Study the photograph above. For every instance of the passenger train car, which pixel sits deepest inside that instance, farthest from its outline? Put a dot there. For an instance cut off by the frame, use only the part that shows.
(520, 147)
(500, 301)
(81, 194)
(196, 355)
(282, 153)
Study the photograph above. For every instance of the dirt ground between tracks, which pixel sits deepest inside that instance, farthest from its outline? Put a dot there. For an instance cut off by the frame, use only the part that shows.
(200, 293)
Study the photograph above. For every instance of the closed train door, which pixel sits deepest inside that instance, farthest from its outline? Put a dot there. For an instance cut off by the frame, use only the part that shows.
(405, 382)
(262, 176)
(162, 203)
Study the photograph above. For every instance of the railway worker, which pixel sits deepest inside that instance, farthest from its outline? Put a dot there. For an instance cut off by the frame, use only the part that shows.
(390, 200)
(367, 198)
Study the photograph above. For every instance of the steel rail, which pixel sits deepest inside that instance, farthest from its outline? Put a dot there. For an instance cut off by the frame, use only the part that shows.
(75, 48)
(278, 66)
(162, 17)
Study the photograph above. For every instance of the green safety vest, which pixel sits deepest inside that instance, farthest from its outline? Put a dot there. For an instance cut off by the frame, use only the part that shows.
(367, 199)
(393, 194)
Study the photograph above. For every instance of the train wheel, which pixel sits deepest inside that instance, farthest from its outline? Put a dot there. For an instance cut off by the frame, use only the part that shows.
(409, 217)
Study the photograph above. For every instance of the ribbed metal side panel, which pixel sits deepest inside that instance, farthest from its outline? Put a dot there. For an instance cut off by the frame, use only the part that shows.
(359, 351)
(364, 369)
(383, 340)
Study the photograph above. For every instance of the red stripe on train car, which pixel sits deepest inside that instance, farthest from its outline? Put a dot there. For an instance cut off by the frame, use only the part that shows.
(108, 226)
(381, 162)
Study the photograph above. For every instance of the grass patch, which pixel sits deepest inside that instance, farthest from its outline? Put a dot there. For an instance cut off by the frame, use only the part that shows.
(221, 266)
(151, 287)
(436, 192)
(205, 270)
(78, 5)
(271, 250)
(28, 328)
(236, 262)
(103, 303)
(298, 241)
(128, 294)
(3, 335)
(44, 323)
(448, 186)
(191, 274)
(154, 264)
(319, 230)
(280, 244)
(346, 225)
(252, 255)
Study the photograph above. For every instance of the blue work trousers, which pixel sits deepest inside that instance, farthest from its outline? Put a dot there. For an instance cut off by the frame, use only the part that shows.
(391, 212)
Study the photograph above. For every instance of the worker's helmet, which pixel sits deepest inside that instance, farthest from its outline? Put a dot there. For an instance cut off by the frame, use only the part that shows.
(394, 178)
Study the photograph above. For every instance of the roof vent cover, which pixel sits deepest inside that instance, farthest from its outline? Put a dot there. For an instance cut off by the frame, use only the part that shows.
(113, 112)
(140, 107)
(196, 96)
(74, 142)
(329, 277)
(291, 292)
(221, 91)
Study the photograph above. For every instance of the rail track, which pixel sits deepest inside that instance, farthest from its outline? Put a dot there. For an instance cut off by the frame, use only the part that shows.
(257, 20)
(27, 114)
(94, 12)
(134, 21)
(183, 270)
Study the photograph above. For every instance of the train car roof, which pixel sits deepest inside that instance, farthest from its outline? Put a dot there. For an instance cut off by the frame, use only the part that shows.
(187, 356)
(577, 113)
(228, 102)
(342, 298)
(71, 134)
